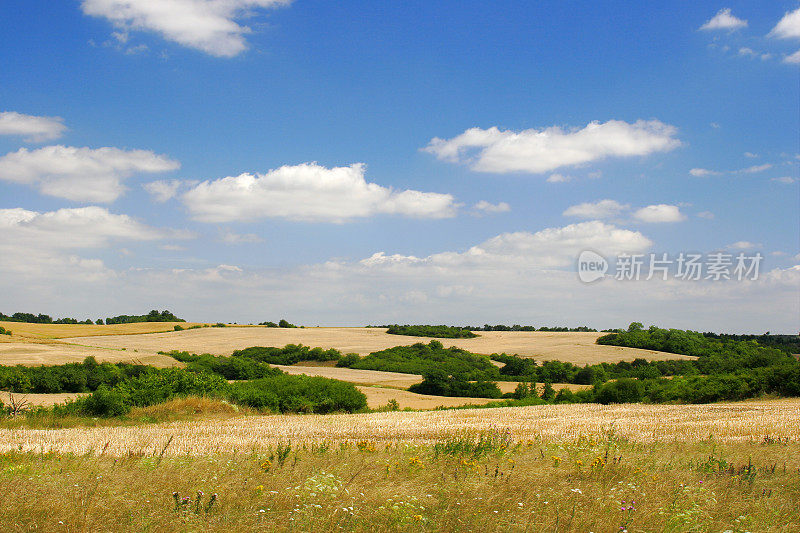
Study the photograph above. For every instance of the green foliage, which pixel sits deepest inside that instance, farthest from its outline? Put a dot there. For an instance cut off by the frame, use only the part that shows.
(283, 323)
(302, 394)
(4, 331)
(424, 359)
(288, 355)
(232, 368)
(348, 360)
(439, 383)
(268, 324)
(105, 402)
(548, 393)
(178, 328)
(443, 332)
(152, 316)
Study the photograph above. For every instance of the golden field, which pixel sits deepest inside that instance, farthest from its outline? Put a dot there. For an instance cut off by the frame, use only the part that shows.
(749, 421)
(578, 348)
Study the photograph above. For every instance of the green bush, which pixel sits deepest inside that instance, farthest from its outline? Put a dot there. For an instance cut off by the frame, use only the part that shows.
(104, 402)
(424, 359)
(288, 355)
(302, 394)
(444, 332)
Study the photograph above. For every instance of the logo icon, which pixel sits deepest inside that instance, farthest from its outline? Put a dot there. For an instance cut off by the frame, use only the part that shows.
(591, 266)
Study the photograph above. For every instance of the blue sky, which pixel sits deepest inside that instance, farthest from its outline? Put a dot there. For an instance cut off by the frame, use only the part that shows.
(478, 146)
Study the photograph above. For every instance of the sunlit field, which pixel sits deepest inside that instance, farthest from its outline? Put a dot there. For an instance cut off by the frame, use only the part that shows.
(489, 481)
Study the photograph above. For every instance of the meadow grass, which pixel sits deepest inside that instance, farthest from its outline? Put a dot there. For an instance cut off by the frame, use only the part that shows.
(471, 482)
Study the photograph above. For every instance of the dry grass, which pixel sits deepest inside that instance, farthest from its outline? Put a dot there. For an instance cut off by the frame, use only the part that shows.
(578, 348)
(353, 375)
(726, 422)
(600, 484)
(379, 397)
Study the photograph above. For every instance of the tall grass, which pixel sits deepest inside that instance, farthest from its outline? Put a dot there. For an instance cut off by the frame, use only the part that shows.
(479, 482)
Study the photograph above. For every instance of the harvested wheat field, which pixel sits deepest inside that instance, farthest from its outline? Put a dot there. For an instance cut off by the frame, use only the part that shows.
(354, 375)
(57, 331)
(54, 353)
(578, 348)
(750, 421)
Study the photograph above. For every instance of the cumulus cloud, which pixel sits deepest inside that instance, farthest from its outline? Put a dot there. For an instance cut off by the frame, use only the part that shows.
(539, 151)
(229, 237)
(163, 190)
(788, 180)
(744, 245)
(309, 192)
(83, 227)
(599, 209)
(548, 248)
(207, 25)
(489, 208)
(659, 213)
(703, 172)
(788, 27)
(756, 168)
(33, 129)
(80, 174)
(724, 20)
(558, 178)
(793, 59)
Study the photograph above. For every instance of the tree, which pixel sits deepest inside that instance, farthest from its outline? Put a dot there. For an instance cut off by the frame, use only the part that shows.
(549, 393)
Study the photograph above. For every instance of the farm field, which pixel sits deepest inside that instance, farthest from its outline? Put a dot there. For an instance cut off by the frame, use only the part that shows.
(56, 353)
(57, 331)
(749, 421)
(573, 347)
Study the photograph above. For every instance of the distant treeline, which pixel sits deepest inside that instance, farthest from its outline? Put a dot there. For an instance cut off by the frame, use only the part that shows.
(282, 323)
(442, 332)
(455, 332)
(787, 343)
(41, 319)
(152, 316)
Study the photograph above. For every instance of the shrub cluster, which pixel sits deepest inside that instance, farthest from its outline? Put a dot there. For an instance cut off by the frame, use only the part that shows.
(4, 331)
(442, 332)
(299, 394)
(288, 355)
(439, 383)
(282, 323)
(152, 316)
(425, 359)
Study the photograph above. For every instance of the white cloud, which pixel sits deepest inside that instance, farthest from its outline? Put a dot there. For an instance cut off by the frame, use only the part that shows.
(744, 245)
(750, 154)
(659, 213)
(229, 237)
(600, 209)
(744, 51)
(792, 59)
(33, 129)
(756, 168)
(80, 174)
(548, 248)
(703, 172)
(163, 190)
(788, 27)
(724, 20)
(207, 25)
(708, 215)
(490, 208)
(788, 180)
(558, 178)
(83, 227)
(309, 192)
(539, 151)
